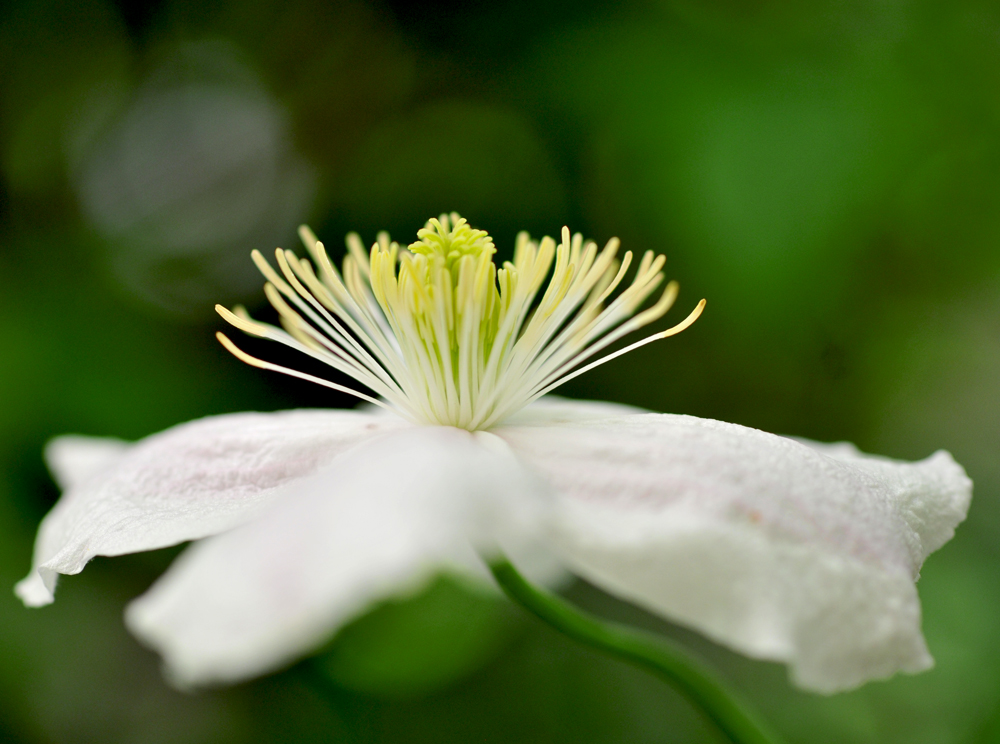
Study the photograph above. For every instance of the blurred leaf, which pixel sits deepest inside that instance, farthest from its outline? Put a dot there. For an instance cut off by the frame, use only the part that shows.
(484, 162)
(417, 645)
(338, 66)
(765, 171)
(62, 69)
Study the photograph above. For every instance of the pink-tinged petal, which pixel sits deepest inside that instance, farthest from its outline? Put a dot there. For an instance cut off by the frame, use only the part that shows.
(778, 549)
(379, 521)
(187, 482)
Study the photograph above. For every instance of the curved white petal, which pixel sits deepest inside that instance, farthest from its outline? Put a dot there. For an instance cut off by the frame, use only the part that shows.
(379, 521)
(187, 482)
(74, 459)
(554, 409)
(932, 496)
(781, 550)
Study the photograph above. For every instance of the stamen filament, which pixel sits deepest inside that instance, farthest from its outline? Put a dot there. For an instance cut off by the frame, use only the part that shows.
(442, 334)
(255, 362)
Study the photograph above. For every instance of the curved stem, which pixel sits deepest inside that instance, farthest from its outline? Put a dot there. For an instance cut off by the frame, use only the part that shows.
(651, 652)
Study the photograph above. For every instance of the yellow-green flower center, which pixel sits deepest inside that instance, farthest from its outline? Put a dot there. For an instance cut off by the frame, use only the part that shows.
(445, 337)
(444, 244)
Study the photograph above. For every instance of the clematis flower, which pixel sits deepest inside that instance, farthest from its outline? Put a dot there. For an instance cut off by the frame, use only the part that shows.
(781, 549)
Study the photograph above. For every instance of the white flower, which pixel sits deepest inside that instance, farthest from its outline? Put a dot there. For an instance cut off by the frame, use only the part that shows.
(781, 549)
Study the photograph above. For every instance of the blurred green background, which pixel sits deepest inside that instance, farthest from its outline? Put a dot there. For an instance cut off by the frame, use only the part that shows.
(826, 173)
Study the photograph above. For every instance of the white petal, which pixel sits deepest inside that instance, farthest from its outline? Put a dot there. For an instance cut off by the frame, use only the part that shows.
(554, 409)
(933, 495)
(190, 481)
(75, 459)
(761, 542)
(382, 519)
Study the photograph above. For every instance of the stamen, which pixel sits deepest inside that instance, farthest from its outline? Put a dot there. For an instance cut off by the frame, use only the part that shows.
(310, 346)
(255, 362)
(442, 334)
(683, 325)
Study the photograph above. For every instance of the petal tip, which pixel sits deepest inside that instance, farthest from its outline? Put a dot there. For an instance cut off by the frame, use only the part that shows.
(33, 590)
(940, 503)
(908, 656)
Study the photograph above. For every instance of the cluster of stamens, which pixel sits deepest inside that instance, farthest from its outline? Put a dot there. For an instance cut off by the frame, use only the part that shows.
(441, 335)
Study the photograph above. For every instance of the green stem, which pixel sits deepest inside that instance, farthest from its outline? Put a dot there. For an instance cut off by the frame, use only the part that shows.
(651, 652)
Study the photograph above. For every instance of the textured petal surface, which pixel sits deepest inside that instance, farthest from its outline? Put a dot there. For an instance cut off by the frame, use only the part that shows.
(379, 521)
(779, 549)
(190, 481)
